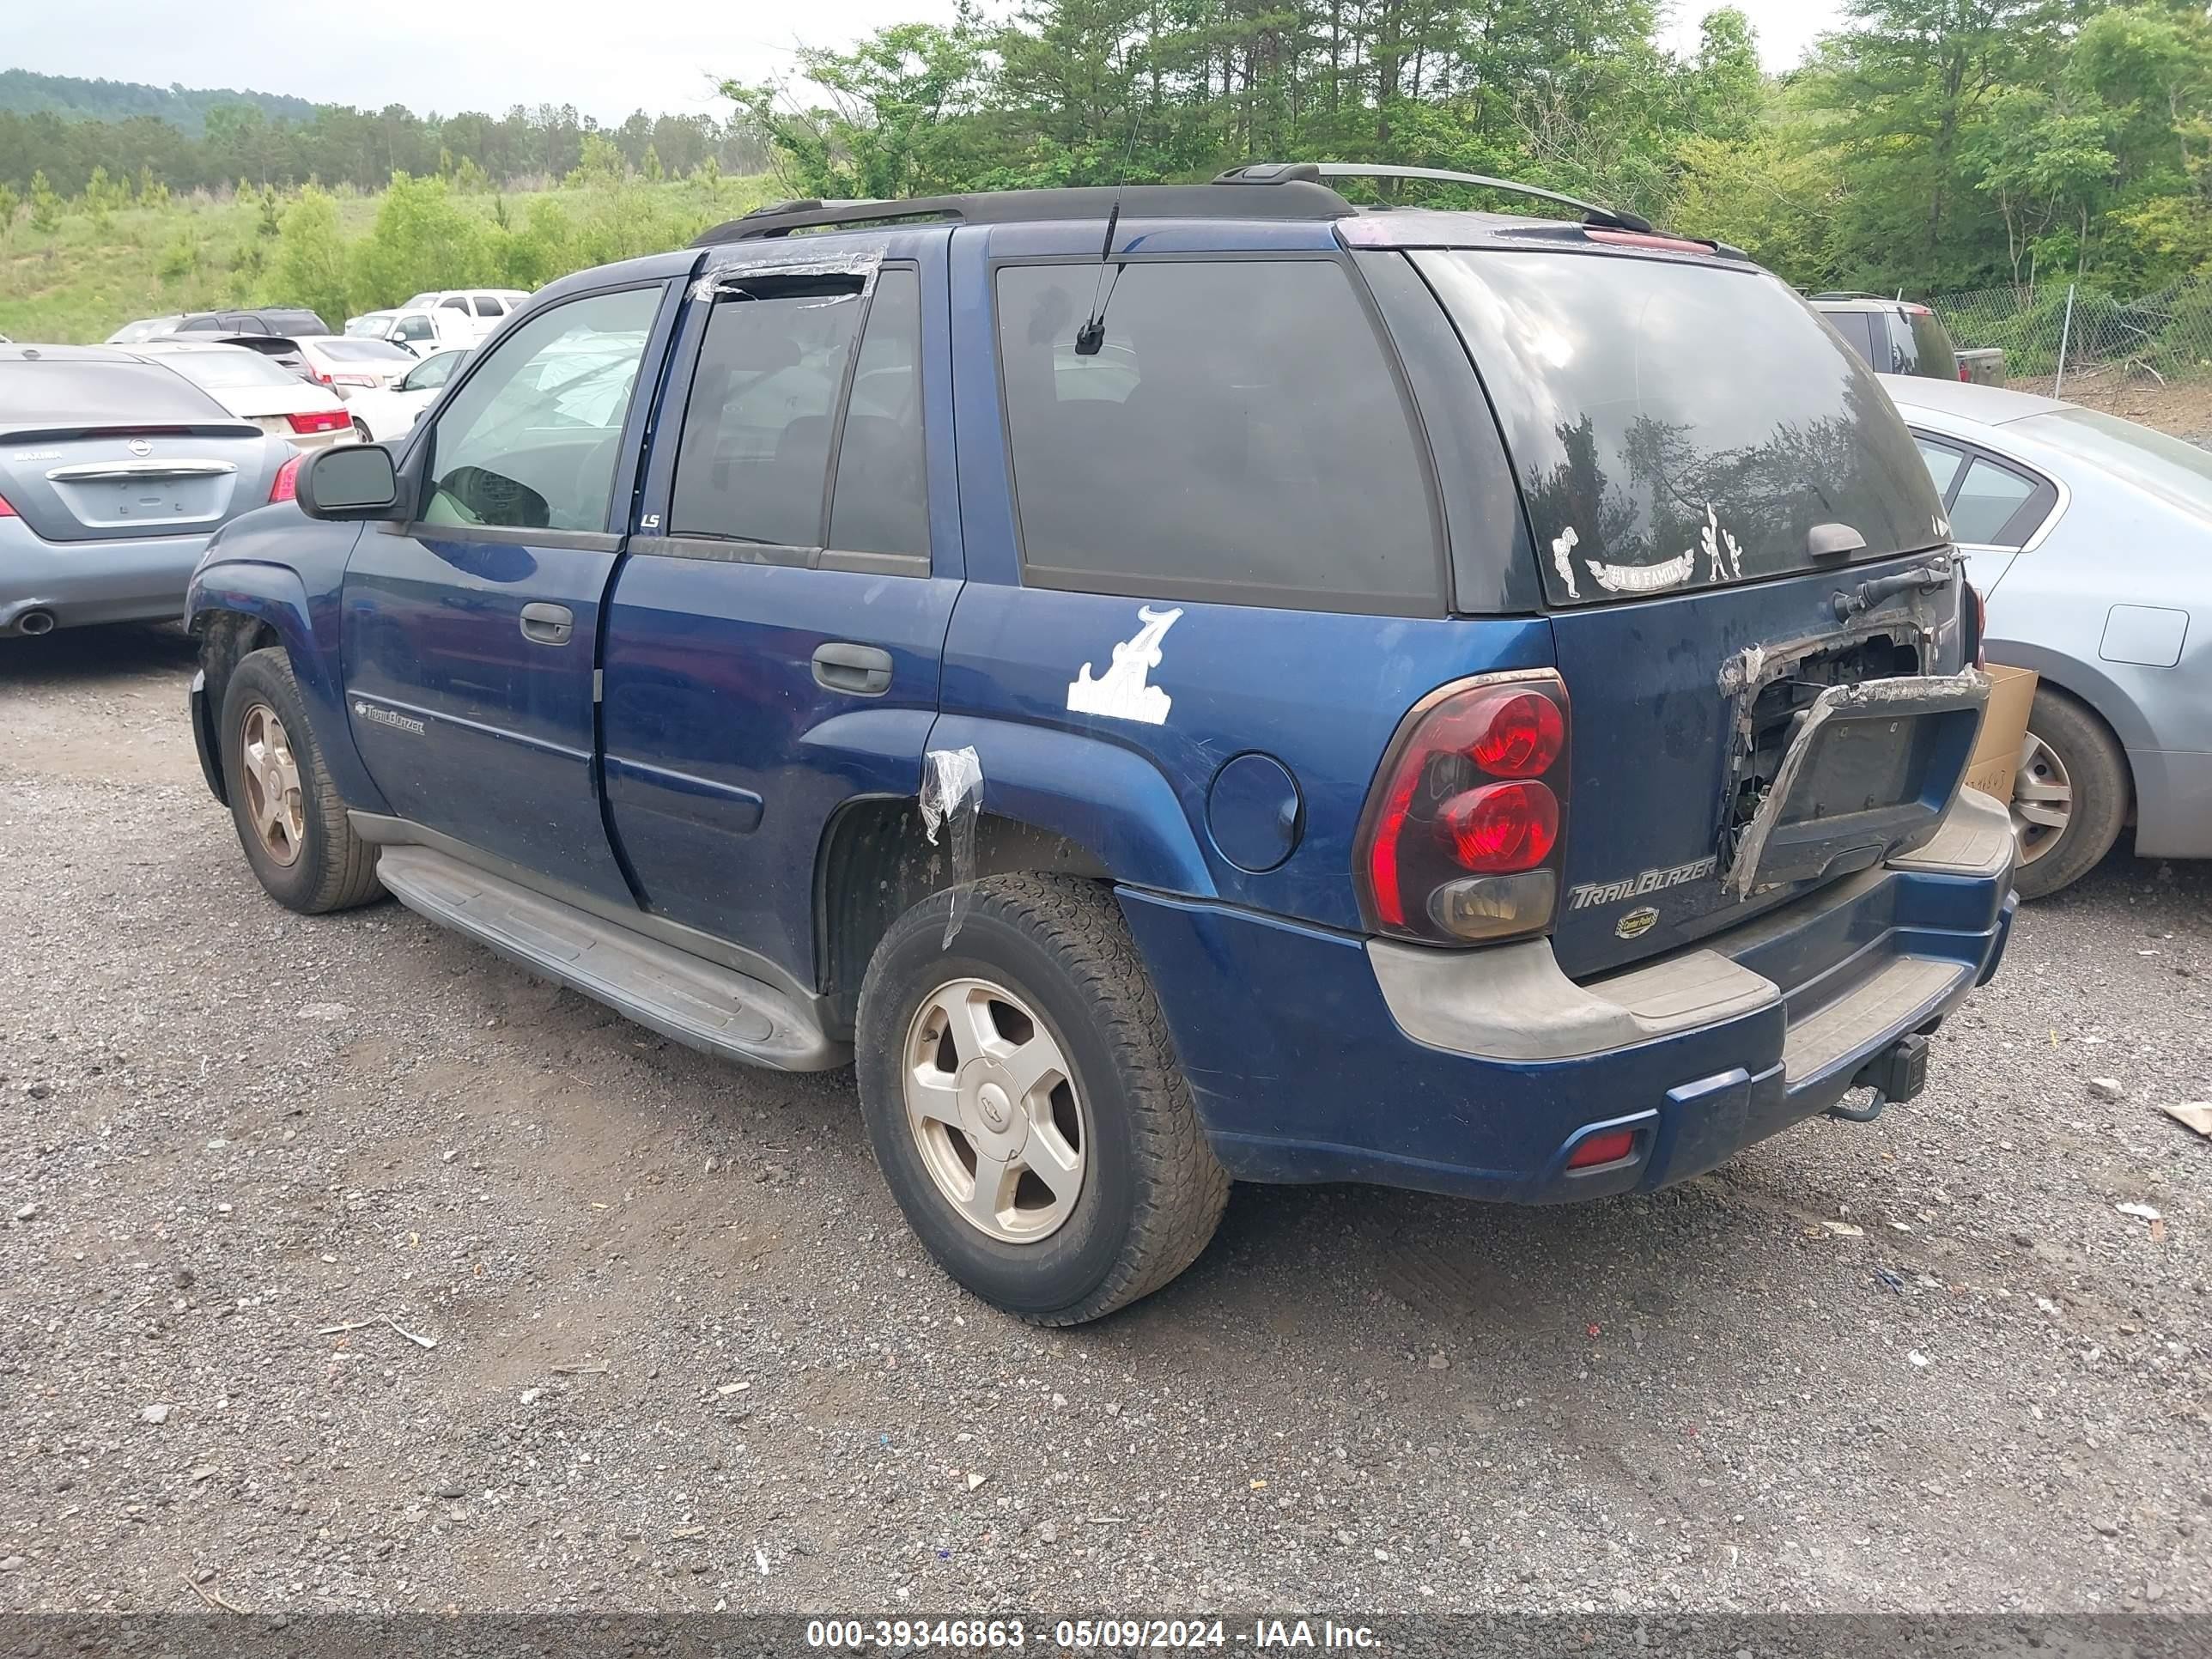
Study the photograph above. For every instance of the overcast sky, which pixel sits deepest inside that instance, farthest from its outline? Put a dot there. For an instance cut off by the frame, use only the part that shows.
(449, 57)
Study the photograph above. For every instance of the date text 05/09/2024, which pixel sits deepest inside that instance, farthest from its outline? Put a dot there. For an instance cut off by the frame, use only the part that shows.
(1086, 1635)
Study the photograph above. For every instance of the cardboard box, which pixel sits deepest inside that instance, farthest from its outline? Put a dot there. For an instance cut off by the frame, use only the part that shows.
(2004, 729)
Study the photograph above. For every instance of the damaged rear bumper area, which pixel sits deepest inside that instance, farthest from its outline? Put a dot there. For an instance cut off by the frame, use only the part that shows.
(1485, 1073)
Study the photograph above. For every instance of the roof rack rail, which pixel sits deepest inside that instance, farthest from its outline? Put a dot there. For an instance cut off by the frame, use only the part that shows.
(1282, 172)
(1307, 199)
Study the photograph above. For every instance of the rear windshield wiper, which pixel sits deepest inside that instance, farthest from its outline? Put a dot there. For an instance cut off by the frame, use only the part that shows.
(1927, 578)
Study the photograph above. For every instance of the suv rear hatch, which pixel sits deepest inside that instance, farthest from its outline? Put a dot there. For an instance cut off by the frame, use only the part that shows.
(1753, 602)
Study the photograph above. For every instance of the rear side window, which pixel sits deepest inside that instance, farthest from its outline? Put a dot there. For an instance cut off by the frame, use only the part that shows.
(487, 307)
(879, 503)
(1943, 463)
(754, 459)
(1241, 437)
(1987, 500)
(1676, 424)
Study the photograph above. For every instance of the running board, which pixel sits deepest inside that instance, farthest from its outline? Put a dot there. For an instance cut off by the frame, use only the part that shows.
(685, 998)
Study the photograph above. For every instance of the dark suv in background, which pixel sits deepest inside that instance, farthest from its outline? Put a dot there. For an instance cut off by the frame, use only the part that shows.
(1900, 338)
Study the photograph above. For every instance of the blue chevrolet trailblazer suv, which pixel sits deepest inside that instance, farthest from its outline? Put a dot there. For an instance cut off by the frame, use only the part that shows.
(1175, 685)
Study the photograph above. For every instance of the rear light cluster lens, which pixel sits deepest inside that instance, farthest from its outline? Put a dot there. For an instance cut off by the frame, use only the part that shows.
(1965, 373)
(321, 420)
(6, 511)
(1461, 841)
(286, 486)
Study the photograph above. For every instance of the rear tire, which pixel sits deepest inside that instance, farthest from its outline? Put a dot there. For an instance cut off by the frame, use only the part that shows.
(2070, 797)
(1040, 981)
(289, 818)
(361, 432)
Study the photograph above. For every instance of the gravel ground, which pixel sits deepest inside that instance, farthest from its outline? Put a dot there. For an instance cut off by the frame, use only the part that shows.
(686, 1355)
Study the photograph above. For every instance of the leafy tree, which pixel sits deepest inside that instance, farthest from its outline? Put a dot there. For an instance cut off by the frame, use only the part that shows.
(8, 202)
(311, 268)
(45, 204)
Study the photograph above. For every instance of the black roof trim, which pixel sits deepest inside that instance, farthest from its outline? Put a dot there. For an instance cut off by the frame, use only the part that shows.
(1299, 199)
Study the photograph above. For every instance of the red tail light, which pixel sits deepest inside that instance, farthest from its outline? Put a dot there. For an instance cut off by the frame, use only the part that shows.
(1965, 373)
(1461, 838)
(321, 420)
(286, 486)
(6, 511)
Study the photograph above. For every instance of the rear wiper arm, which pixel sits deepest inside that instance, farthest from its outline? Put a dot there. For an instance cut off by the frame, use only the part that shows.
(1927, 578)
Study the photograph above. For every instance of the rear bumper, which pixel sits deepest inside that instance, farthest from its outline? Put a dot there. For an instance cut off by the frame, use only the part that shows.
(1312, 1056)
(82, 583)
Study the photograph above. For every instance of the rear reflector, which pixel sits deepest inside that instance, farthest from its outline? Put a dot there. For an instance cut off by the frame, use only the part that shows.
(287, 485)
(1608, 1148)
(321, 420)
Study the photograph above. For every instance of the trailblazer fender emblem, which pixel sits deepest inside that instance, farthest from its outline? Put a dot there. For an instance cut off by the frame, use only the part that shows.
(375, 716)
(1648, 881)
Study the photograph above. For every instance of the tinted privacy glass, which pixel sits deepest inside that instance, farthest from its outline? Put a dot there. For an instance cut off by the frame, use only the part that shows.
(1931, 345)
(754, 459)
(1675, 424)
(879, 505)
(1986, 502)
(532, 439)
(1240, 437)
(229, 368)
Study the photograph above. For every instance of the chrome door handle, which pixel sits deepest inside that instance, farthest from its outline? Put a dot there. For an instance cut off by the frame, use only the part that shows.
(548, 625)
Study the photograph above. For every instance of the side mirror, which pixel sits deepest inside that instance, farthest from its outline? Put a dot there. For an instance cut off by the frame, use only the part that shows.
(350, 482)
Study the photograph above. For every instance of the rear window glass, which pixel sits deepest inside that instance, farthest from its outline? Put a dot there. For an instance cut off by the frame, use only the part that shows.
(1239, 437)
(1931, 341)
(1675, 425)
(342, 349)
(237, 367)
(78, 393)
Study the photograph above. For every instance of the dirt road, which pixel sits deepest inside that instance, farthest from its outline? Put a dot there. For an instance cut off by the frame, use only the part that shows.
(686, 1355)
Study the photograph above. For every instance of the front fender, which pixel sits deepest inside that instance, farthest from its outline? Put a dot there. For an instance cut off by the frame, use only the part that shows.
(1109, 800)
(308, 628)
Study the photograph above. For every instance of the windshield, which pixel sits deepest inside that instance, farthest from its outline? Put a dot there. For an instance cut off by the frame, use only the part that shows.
(371, 326)
(2167, 466)
(132, 333)
(1675, 424)
(223, 370)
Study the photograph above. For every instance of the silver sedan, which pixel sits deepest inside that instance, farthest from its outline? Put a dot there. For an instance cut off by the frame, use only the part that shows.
(113, 473)
(2091, 539)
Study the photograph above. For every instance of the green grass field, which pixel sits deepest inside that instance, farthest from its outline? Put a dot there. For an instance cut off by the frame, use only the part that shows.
(79, 283)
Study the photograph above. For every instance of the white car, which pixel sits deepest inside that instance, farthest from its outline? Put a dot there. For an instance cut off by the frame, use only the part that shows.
(423, 331)
(343, 362)
(389, 413)
(255, 388)
(491, 303)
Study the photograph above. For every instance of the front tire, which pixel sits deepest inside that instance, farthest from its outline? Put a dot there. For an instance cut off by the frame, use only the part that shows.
(2070, 797)
(290, 820)
(1025, 1102)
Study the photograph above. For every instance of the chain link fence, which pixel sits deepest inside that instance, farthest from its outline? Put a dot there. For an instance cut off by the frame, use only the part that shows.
(2150, 358)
